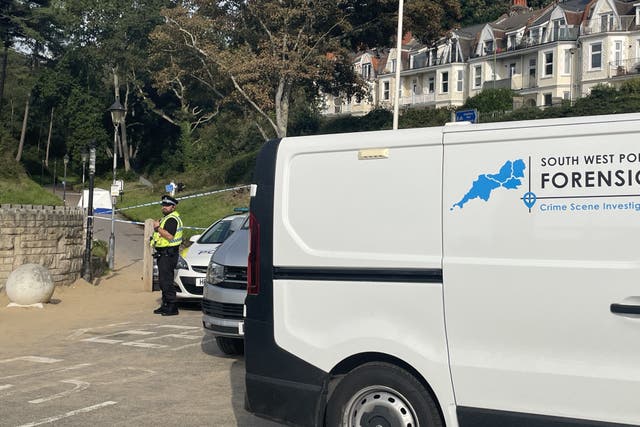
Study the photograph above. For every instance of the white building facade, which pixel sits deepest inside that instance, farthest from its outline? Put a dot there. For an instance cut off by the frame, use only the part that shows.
(546, 56)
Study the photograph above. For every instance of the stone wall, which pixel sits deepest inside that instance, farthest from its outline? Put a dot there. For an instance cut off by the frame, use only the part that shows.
(52, 236)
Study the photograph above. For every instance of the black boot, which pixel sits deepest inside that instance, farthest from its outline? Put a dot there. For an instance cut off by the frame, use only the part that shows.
(160, 309)
(171, 309)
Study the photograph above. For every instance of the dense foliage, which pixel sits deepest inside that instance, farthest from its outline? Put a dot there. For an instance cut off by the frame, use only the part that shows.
(205, 83)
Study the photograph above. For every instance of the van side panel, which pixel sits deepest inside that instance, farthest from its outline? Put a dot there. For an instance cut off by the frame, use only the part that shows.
(541, 237)
(334, 210)
(357, 251)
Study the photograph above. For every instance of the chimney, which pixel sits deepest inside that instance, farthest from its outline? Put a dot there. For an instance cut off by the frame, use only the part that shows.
(520, 3)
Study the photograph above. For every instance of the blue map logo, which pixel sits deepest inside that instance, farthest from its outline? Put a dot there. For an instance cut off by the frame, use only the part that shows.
(508, 177)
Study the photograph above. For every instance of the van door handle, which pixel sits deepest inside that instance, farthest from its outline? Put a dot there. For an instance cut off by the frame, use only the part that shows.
(625, 308)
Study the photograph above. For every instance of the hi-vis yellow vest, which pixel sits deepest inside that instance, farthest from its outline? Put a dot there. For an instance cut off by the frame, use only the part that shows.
(160, 242)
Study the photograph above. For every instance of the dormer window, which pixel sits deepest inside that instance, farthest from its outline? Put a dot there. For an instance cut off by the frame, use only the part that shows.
(366, 71)
(488, 46)
(558, 26)
(511, 41)
(606, 22)
(457, 54)
(535, 35)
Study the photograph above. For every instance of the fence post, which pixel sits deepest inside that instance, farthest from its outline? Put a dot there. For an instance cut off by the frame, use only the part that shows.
(147, 260)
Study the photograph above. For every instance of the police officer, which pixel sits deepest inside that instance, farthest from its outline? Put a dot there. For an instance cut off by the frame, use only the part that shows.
(166, 239)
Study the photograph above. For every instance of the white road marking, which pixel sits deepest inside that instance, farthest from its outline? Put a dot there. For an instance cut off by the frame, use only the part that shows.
(102, 340)
(35, 359)
(194, 344)
(79, 332)
(179, 327)
(69, 414)
(122, 375)
(136, 332)
(184, 336)
(160, 337)
(143, 344)
(69, 368)
(79, 386)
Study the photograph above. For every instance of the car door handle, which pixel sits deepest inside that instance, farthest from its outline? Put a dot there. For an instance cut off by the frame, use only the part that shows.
(625, 308)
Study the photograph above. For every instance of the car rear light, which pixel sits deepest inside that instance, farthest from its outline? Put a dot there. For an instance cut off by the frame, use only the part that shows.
(253, 272)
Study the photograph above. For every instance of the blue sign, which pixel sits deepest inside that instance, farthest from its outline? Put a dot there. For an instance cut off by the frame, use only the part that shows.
(467, 116)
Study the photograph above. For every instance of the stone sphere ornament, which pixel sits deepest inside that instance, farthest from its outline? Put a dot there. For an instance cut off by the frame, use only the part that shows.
(29, 284)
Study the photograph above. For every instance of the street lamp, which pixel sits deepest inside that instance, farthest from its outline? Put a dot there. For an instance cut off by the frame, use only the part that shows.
(87, 252)
(65, 159)
(117, 116)
(55, 174)
(83, 155)
(396, 106)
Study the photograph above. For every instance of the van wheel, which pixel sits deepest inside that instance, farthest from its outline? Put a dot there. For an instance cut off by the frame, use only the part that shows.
(230, 346)
(381, 394)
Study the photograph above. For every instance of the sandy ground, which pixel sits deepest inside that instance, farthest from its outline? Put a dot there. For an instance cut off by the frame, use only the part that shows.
(79, 305)
(83, 304)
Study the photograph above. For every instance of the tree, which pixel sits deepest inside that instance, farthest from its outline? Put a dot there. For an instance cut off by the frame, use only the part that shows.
(268, 48)
(116, 32)
(32, 23)
(183, 89)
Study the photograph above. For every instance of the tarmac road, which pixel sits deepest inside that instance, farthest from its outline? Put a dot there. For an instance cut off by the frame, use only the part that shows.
(133, 369)
(128, 367)
(128, 237)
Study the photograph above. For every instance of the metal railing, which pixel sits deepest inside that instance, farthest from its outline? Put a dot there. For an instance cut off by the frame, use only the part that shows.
(417, 99)
(624, 67)
(605, 25)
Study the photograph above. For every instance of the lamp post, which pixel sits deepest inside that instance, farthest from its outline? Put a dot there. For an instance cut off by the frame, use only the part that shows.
(396, 106)
(86, 271)
(83, 155)
(117, 115)
(571, 71)
(55, 173)
(65, 159)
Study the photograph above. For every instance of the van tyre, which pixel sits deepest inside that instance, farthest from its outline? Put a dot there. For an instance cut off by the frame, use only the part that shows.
(230, 346)
(377, 394)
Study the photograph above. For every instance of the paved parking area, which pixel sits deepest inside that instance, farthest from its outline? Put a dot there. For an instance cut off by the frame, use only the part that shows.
(133, 369)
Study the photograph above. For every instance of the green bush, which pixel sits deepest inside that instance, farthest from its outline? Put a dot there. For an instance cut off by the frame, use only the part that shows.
(631, 86)
(490, 100)
(376, 119)
(99, 252)
(414, 118)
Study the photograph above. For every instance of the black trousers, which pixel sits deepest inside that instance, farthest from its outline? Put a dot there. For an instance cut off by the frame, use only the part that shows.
(166, 264)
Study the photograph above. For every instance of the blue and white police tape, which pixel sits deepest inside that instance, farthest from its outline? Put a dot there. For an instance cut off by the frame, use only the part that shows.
(208, 193)
(141, 223)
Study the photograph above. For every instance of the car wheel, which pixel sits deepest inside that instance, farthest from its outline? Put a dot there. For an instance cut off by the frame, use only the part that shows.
(230, 346)
(381, 394)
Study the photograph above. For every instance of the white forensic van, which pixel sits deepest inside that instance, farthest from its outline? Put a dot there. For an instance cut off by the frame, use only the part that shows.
(466, 275)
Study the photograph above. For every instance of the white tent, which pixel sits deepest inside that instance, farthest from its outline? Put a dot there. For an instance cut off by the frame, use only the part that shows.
(101, 201)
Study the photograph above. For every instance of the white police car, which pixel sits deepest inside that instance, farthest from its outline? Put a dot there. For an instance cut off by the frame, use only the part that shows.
(192, 265)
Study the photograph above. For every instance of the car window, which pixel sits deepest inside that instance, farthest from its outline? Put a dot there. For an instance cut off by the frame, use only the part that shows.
(218, 233)
(237, 222)
(245, 224)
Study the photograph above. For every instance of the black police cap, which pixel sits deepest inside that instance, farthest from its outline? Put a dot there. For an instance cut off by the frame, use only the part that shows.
(169, 201)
